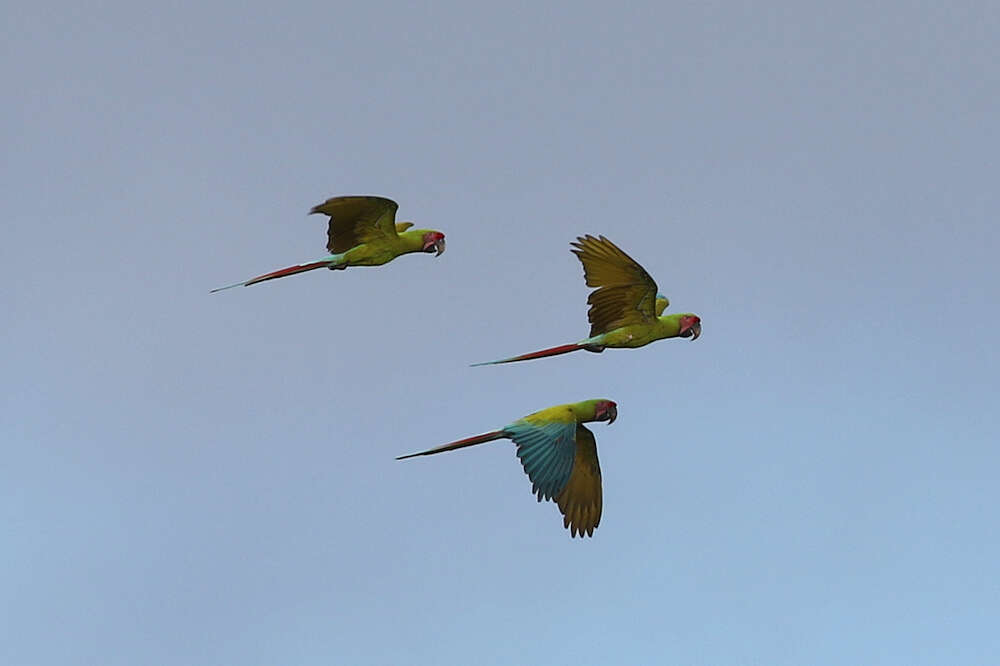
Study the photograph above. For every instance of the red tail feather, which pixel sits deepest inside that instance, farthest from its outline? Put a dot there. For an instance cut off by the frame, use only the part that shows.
(554, 351)
(291, 270)
(469, 441)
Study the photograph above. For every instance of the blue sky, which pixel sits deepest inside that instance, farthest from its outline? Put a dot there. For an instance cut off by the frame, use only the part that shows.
(208, 479)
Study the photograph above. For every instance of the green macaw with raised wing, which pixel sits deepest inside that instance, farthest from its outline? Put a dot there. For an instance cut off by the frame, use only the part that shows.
(363, 232)
(625, 308)
(559, 455)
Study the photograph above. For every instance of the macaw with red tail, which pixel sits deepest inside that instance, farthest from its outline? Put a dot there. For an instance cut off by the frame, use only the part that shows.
(625, 309)
(559, 455)
(362, 232)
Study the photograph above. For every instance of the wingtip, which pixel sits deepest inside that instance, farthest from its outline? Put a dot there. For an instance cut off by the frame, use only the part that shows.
(318, 208)
(579, 246)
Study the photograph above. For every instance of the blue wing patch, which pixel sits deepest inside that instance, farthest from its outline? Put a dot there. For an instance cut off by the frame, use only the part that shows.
(547, 453)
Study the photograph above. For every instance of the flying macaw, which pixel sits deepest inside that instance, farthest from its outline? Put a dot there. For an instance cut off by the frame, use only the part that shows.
(363, 232)
(625, 309)
(559, 455)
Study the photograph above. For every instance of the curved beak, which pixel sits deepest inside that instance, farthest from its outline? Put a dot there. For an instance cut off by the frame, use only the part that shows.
(439, 246)
(612, 413)
(692, 331)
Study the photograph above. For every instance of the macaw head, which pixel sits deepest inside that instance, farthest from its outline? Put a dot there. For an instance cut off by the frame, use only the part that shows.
(690, 326)
(433, 242)
(605, 410)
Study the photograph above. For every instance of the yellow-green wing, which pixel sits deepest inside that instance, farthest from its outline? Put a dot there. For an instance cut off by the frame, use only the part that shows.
(581, 500)
(357, 220)
(625, 294)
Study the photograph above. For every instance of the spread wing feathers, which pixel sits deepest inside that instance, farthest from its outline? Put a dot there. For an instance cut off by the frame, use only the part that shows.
(357, 220)
(546, 451)
(625, 294)
(403, 226)
(580, 501)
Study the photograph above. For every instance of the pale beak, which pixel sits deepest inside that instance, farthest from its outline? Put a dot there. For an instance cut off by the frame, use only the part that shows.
(692, 331)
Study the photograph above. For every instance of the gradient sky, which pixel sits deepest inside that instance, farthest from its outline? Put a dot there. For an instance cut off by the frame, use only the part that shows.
(209, 479)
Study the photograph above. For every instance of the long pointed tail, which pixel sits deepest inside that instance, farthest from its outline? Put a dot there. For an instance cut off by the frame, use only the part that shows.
(291, 270)
(469, 441)
(554, 351)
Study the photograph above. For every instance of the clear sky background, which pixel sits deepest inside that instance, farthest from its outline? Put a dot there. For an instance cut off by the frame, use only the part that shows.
(209, 479)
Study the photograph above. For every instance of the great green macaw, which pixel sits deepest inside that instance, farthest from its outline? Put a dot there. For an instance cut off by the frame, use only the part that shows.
(559, 455)
(363, 232)
(625, 309)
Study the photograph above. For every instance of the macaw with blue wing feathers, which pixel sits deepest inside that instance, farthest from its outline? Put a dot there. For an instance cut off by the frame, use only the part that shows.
(559, 455)
(626, 310)
(363, 232)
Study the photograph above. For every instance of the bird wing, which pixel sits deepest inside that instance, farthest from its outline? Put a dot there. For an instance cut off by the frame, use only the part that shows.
(357, 220)
(625, 294)
(546, 450)
(581, 499)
